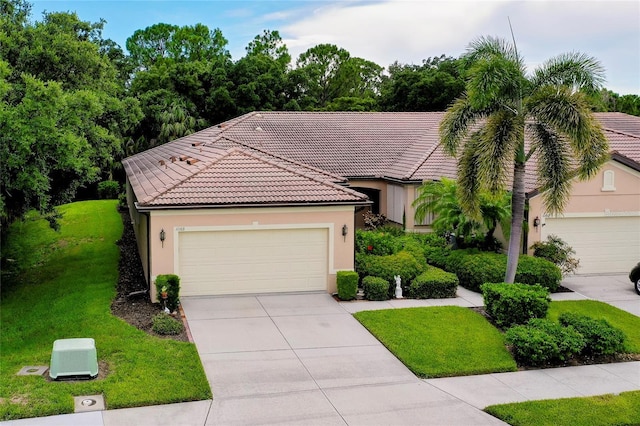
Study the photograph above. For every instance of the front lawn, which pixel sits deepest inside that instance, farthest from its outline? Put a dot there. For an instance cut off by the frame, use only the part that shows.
(64, 290)
(440, 341)
(623, 409)
(628, 323)
(453, 341)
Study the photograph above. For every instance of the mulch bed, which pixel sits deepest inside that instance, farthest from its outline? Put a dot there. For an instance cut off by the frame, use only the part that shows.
(131, 305)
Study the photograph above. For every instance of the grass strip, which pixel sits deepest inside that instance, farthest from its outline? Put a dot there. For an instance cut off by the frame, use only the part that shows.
(623, 409)
(60, 285)
(440, 341)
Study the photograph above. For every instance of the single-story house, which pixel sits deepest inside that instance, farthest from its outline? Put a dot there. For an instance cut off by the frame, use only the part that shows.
(269, 201)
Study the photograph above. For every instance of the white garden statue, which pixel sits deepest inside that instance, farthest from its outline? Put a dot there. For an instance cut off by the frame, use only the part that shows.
(398, 286)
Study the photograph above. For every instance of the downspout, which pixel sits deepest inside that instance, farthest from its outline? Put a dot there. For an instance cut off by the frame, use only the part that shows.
(525, 234)
(148, 216)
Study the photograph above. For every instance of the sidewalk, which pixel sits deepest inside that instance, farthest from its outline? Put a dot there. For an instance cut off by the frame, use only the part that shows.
(362, 384)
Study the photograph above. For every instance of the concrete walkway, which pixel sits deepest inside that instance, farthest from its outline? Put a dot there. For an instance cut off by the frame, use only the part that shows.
(303, 359)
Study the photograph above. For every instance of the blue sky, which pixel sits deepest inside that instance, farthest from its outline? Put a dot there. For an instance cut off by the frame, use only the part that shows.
(404, 30)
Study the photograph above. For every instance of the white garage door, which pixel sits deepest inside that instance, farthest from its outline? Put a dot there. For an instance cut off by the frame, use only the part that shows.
(603, 244)
(252, 261)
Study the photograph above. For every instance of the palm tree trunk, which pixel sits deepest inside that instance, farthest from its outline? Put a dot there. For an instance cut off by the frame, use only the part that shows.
(517, 217)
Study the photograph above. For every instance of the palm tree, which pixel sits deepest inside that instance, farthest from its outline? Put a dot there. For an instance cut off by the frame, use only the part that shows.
(487, 125)
(441, 199)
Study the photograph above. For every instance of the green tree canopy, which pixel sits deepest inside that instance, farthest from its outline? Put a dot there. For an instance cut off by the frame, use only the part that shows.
(485, 128)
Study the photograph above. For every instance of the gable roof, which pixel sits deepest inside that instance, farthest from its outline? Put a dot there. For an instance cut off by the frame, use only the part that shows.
(324, 149)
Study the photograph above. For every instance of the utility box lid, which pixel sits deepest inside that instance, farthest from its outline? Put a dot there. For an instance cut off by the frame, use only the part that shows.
(74, 358)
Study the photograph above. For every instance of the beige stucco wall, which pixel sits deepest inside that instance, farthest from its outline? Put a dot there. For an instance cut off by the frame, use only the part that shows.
(341, 250)
(588, 199)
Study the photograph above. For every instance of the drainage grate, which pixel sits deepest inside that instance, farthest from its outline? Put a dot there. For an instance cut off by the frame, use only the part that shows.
(33, 370)
(88, 403)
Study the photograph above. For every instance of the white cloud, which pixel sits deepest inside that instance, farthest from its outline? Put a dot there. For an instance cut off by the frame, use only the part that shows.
(410, 31)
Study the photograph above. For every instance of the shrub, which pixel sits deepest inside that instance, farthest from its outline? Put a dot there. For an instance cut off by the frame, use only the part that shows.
(376, 243)
(601, 337)
(108, 190)
(375, 288)
(434, 283)
(347, 284)
(122, 201)
(535, 270)
(166, 325)
(373, 221)
(402, 263)
(542, 341)
(171, 284)
(475, 268)
(510, 304)
(557, 251)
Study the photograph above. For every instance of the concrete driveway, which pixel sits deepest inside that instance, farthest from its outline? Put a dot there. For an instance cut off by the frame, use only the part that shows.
(303, 359)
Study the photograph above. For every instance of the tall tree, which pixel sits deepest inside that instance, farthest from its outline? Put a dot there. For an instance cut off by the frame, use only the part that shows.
(432, 86)
(486, 126)
(270, 44)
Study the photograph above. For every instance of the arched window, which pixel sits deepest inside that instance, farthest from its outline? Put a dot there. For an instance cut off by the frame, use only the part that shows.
(608, 181)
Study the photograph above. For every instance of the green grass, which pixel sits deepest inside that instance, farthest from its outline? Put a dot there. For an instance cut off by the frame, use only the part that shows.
(628, 323)
(440, 341)
(63, 288)
(623, 409)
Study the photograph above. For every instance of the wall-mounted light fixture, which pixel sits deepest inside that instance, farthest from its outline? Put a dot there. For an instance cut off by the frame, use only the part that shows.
(536, 222)
(345, 231)
(163, 235)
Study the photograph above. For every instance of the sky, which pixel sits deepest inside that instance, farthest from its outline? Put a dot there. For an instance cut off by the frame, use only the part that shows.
(407, 31)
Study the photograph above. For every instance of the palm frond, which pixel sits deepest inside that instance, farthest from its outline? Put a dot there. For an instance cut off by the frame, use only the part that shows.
(574, 69)
(455, 124)
(486, 47)
(495, 81)
(554, 167)
(569, 113)
(501, 135)
(469, 185)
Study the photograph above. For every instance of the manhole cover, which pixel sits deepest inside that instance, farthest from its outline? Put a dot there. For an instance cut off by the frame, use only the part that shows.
(88, 402)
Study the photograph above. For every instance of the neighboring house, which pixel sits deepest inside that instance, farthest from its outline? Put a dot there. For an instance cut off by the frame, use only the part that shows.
(269, 201)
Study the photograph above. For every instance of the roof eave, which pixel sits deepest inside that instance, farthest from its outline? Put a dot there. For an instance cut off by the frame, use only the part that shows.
(144, 208)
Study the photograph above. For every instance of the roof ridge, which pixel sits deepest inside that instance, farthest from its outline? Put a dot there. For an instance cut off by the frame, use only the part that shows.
(283, 158)
(620, 132)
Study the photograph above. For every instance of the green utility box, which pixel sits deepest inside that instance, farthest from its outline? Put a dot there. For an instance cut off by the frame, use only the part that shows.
(74, 359)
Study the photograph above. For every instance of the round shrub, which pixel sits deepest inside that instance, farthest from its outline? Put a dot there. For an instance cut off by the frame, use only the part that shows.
(542, 341)
(375, 288)
(535, 270)
(108, 190)
(510, 304)
(166, 325)
(434, 283)
(376, 243)
(475, 269)
(601, 338)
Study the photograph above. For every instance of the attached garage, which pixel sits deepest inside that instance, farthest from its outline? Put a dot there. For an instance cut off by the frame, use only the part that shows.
(606, 244)
(253, 261)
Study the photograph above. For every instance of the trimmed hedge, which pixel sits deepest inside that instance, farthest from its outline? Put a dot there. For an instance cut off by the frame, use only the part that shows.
(376, 243)
(434, 283)
(475, 268)
(375, 288)
(510, 304)
(402, 263)
(543, 341)
(347, 282)
(601, 337)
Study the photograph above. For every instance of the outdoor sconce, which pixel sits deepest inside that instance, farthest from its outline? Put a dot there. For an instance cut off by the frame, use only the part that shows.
(536, 222)
(345, 231)
(163, 235)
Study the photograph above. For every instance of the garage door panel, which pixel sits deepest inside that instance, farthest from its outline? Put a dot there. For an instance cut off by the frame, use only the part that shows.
(603, 244)
(253, 261)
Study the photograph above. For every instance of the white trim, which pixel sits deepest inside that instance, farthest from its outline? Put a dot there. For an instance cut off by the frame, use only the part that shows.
(604, 213)
(255, 227)
(250, 210)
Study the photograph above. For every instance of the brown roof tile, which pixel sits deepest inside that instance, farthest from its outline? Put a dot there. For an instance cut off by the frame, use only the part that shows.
(324, 147)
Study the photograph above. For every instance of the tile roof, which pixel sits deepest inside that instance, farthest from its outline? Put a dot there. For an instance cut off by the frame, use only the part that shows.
(323, 147)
